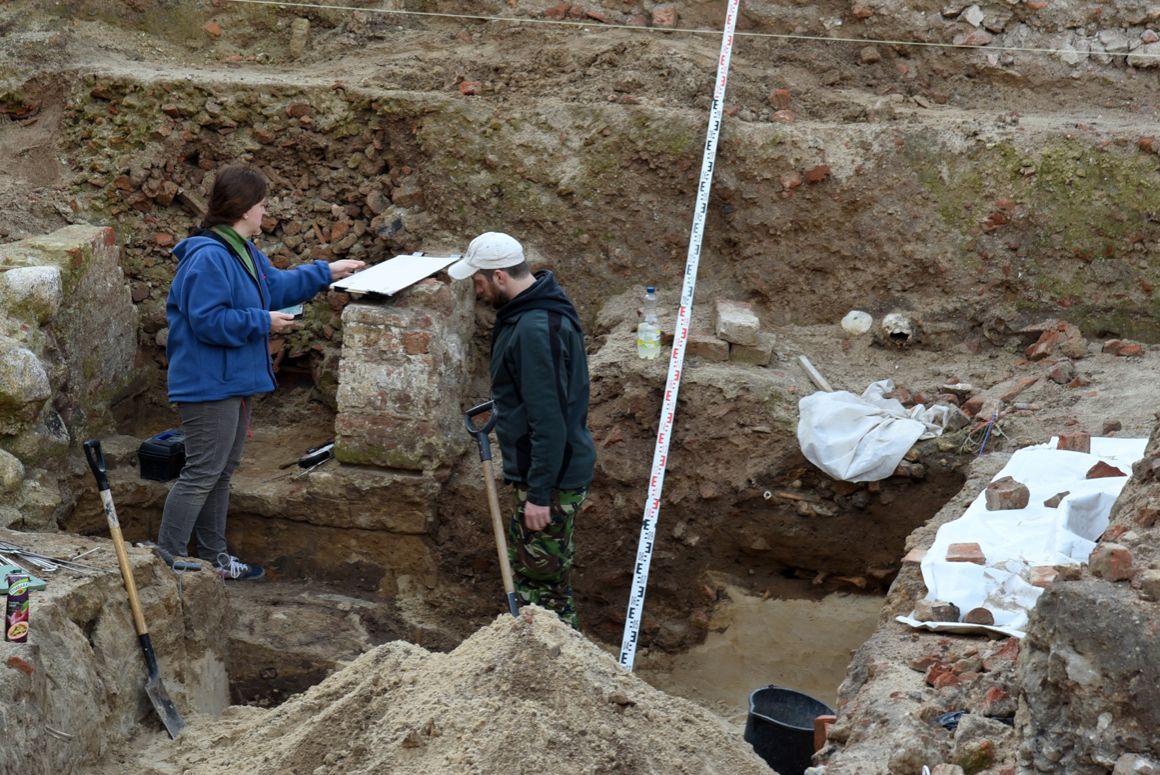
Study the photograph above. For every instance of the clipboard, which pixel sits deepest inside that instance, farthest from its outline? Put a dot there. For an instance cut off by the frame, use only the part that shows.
(393, 275)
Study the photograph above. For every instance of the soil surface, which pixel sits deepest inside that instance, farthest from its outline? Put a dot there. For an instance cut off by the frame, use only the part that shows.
(581, 126)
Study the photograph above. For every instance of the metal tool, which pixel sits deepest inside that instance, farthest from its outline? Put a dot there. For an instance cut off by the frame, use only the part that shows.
(49, 564)
(153, 686)
(480, 433)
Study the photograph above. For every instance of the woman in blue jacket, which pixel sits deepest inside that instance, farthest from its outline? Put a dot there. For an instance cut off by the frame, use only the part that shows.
(220, 311)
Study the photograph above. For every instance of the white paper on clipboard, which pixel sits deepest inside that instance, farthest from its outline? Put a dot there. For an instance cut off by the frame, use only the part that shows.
(393, 275)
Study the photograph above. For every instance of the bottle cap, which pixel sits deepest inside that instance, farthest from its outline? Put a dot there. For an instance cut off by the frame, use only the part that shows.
(650, 289)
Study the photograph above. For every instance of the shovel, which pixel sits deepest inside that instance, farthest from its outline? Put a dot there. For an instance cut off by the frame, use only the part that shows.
(481, 436)
(153, 686)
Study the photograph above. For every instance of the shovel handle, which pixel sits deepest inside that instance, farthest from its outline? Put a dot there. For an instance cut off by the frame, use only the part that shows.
(480, 432)
(96, 460)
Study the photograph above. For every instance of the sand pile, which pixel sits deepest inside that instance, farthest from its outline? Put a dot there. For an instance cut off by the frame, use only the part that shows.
(520, 695)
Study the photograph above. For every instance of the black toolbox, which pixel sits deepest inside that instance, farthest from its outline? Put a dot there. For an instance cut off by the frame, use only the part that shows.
(162, 456)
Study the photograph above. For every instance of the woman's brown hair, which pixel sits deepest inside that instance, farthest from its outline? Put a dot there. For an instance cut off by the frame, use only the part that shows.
(235, 190)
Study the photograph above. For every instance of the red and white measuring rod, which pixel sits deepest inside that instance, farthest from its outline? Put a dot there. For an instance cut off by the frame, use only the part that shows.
(652, 506)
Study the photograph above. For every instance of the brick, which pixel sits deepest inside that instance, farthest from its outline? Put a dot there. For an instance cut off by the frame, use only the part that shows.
(1054, 501)
(1111, 562)
(1075, 441)
(757, 355)
(817, 174)
(1111, 426)
(915, 555)
(707, 347)
(966, 552)
(1102, 470)
(1020, 385)
(1131, 349)
(1062, 372)
(779, 99)
(935, 611)
(1003, 657)
(997, 702)
(979, 616)
(737, 323)
(1005, 494)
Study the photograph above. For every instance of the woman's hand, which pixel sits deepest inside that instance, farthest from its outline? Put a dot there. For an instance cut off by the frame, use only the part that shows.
(345, 268)
(280, 322)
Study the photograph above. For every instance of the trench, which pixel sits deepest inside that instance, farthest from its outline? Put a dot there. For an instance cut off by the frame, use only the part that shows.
(761, 619)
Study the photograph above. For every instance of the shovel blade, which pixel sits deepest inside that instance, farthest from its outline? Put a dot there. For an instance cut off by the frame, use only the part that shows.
(164, 706)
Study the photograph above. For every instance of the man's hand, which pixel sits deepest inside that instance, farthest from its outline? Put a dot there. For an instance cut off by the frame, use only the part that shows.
(536, 517)
(280, 322)
(345, 268)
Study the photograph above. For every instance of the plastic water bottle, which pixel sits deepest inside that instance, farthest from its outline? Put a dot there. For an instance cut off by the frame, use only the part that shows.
(648, 333)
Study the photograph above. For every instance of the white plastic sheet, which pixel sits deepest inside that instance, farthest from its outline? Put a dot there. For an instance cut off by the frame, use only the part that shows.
(863, 438)
(1016, 540)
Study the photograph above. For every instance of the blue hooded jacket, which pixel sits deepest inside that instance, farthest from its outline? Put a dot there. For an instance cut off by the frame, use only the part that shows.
(219, 319)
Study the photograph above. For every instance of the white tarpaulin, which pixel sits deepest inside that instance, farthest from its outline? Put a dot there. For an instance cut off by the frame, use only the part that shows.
(1015, 540)
(863, 438)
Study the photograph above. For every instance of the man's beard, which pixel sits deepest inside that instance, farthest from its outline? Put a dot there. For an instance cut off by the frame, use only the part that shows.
(499, 296)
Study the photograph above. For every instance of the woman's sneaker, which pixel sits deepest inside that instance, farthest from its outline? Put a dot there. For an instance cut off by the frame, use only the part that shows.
(231, 568)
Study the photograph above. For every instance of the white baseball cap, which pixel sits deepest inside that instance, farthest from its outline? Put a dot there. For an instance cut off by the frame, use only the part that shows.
(490, 250)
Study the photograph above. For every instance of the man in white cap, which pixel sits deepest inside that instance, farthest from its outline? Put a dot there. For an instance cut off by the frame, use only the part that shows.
(539, 383)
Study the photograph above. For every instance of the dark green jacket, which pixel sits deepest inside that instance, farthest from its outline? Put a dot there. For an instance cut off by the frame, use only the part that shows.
(539, 382)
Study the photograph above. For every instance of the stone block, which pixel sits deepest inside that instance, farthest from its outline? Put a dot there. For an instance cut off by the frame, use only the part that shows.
(737, 323)
(1006, 493)
(1054, 501)
(759, 354)
(707, 347)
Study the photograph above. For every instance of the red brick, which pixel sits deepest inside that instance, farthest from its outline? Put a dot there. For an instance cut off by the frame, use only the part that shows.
(779, 99)
(1112, 562)
(1102, 470)
(1003, 657)
(213, 28)
(1054, 501)
(1075, 441)
(817, 174)
(964, 552)
(1042, 576)
(1005, 494)
(1020, 385)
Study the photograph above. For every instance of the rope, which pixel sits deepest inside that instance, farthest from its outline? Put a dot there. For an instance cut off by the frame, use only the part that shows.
(695, 30)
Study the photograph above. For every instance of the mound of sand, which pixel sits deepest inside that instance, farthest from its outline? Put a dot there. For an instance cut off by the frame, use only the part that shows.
(520, 695)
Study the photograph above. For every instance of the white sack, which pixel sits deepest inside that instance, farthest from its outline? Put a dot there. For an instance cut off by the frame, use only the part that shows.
(863, 438)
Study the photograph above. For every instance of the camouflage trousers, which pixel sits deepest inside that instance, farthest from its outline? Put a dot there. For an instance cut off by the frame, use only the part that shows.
(541, 560)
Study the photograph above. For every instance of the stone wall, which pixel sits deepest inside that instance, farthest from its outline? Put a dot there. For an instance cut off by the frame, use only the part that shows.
(68, 340)
(1090, 667)
(402, 376)
(76, 688)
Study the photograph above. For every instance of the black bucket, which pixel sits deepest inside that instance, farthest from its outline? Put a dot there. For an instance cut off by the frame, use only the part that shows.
(780, 727)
